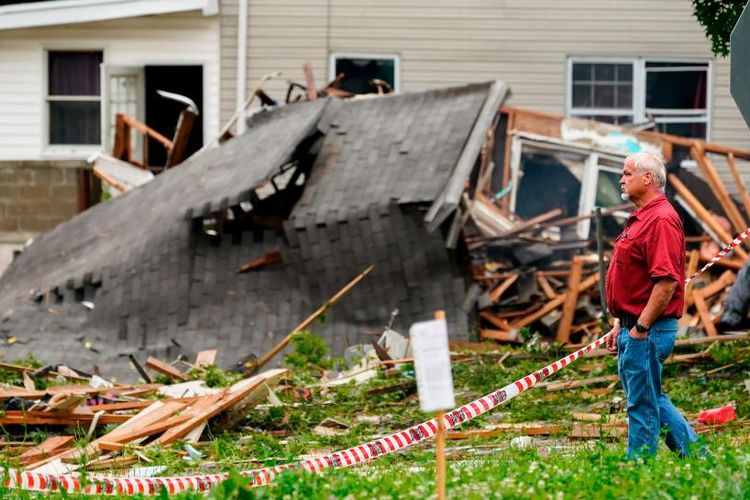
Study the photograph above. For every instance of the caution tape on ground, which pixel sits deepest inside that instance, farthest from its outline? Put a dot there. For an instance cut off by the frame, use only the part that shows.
(108, 485)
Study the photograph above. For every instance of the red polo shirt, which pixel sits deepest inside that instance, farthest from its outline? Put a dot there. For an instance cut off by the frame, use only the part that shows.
(651, 246)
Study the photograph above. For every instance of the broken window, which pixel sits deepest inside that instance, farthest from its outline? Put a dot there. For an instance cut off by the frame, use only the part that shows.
(575, 180)
(668, 96)
(73, 97)
(366, 74)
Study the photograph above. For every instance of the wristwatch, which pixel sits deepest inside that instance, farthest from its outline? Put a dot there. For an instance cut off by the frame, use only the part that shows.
(640, 328)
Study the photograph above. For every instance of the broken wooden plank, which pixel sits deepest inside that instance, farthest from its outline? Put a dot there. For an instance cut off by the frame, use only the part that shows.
(574, 384)
(554, 303)
(206, 358)
(703, 214)
(692, 267)
(702, 308)
(741, 189)
(571, 299)
(46, 448)
(549, 292)
(498, 291)
(718, 188)
(165, 369)
(500, 335)
(492, 318)
(312, 92)
(261, 262)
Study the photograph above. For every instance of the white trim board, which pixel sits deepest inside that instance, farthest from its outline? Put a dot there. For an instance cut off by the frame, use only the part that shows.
(31, 15)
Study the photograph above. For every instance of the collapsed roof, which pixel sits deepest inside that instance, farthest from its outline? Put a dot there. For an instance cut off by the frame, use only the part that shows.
(332, 186)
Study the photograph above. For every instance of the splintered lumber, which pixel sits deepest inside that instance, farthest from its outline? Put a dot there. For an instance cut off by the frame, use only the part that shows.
(259, 263)
(574, 384)
(692, 267)
(312, 92)
(308, 321)
(723, 281)
(233, 415)
(528, 224)
(549, 292)
(225, 401)
(719, 189)
(526, 429)
(49, 446)
(500, 335)
(165, 369)
(571, 299)
(155, 413)
(34, 417)
(554, 303)
(739, 182)
(501, 323)
(704, 215)
(598, 431)
(498, 291)
(206, 358)
(702, 308)
(156, 428)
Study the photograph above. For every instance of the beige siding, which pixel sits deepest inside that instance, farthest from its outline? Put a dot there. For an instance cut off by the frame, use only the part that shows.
(448, 42)
(171, 39)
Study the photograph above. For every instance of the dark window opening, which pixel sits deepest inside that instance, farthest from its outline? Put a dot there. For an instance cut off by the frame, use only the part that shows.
(359, 73)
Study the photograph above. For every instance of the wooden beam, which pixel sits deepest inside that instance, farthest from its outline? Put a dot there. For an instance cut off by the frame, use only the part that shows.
(702, 308)
(703, 214)
(741, 189)
(571, 299)
(312, 92)
(498, 291)
(308, 321)
(719, 189)
(692, 267)
(261, 262)
(554, 303)
(549, 292)
(206, 358)
(176, 153)
(165, 369)
(496, 321)
(501, 335)
(49, 446)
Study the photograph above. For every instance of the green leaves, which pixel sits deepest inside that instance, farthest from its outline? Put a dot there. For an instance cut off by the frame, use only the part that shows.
(718, 18)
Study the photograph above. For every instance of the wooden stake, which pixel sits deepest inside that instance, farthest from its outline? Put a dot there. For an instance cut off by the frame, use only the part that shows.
(440, 440)
(283, 343)
(739, 182)
(571, 299)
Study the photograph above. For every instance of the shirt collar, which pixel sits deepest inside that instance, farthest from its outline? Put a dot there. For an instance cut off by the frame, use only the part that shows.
(638, 212)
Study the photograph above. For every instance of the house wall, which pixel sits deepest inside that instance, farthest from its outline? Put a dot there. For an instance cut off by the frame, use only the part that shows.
(444, 42)
(156, 40)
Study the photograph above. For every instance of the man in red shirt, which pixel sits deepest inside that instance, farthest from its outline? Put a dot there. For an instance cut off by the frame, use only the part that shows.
(645, 292)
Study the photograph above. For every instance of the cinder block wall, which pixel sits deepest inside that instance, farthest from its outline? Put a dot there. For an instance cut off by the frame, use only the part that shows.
(36, 196)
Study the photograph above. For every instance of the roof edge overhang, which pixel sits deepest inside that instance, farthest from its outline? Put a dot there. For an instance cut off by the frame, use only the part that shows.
(59, 12)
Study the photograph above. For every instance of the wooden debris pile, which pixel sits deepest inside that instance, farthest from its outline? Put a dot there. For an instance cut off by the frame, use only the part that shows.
(142, 415)
(543, 271)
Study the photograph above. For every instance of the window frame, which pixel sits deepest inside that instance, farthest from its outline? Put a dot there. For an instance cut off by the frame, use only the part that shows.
(367, 55)
(640, 112)
(74, 151)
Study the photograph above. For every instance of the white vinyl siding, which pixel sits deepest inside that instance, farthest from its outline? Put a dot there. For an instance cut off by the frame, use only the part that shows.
(177, 39)
(444, 42)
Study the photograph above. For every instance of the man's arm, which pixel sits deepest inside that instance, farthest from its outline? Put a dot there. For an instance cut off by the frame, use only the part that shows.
(661, 294)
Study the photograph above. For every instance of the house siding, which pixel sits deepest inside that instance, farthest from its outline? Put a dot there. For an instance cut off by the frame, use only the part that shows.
(444, 42)
(168, 39)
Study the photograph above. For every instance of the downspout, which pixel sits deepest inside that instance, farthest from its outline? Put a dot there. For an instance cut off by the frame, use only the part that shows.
(241, 64)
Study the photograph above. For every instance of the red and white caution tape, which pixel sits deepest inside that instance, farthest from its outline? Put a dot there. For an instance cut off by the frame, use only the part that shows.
(722, 253)
(106, 485)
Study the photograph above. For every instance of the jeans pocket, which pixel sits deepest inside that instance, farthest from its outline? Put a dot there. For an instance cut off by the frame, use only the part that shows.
(636, 339)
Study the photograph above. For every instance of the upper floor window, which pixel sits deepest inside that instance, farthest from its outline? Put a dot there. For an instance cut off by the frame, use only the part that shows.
(74, 97)
(671, 95)
(366, 74)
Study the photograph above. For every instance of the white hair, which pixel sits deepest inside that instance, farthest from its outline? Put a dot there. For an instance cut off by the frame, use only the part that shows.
(649, 162)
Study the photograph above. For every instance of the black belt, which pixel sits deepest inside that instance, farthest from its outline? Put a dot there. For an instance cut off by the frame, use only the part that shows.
(629, 320)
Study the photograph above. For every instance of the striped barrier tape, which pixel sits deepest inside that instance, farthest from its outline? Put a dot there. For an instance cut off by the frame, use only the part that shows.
(107, 485)
(722, 253)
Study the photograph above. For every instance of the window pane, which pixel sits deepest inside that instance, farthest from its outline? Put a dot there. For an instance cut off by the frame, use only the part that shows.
(604, 96)
(624, 96)
(74, 73)
(582, 72)
(695, 129)
(604, 72)
(542, 169)
(74, 122)
(625, 73)
(581, 96)
(608, 189)
(359, 73)
(615, 120)
(676, 90)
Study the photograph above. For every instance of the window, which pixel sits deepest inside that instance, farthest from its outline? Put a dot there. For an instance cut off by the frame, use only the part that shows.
(73, 97)
(360, 71)
(670, 96)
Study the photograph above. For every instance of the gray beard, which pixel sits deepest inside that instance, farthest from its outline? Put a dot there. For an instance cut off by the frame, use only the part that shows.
(625, 195)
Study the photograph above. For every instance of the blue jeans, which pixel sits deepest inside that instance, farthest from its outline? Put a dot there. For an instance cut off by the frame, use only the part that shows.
(640, 364)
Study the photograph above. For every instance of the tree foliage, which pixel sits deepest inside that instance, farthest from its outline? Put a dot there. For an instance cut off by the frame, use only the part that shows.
(718, 18)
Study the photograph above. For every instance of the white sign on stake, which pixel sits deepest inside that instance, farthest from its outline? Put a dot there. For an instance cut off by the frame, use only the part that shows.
(432, 364)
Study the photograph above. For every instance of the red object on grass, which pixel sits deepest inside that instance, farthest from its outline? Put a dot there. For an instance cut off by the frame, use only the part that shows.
(717, 416)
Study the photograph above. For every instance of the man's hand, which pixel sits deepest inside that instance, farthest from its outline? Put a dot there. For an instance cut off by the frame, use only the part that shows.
(637, 335)
(611, 342)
